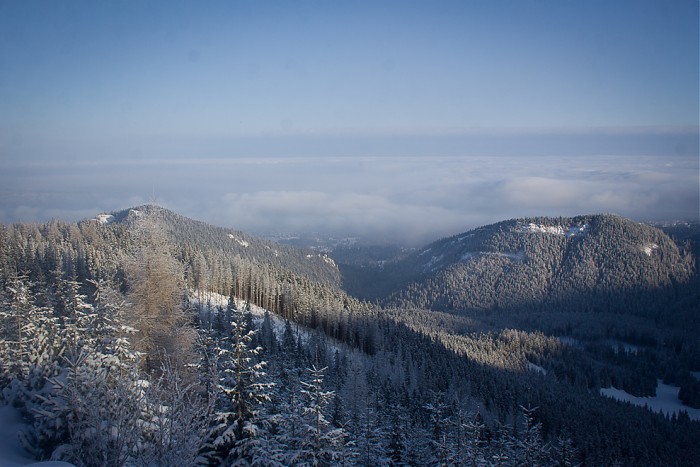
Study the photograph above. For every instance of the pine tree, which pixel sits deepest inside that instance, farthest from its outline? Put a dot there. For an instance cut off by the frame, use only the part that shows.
(397, 439)
(242, 390)
(268, 339)
(565, 454)
(531, 449)
(471, 443)
(321, 444)
(15, 313)
(443, 448)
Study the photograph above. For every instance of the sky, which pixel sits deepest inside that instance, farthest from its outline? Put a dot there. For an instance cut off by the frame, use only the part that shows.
(405, 120)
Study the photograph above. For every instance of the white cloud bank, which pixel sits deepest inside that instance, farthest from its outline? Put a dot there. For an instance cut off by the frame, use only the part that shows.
(413, 199)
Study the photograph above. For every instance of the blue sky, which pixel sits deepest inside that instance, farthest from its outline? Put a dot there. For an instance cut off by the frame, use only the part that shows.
(184, 88)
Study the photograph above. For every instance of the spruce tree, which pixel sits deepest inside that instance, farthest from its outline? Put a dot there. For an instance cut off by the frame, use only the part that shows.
(241, 392)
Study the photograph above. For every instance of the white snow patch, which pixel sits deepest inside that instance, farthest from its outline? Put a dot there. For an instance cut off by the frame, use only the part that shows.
(208, 299)
(555, 229)
(666, 400)
(424, 252)
(577, 230)
(212, 301)
(649, 248)
(104, 218)
(134, 212)
(324, 257)
(241, 242)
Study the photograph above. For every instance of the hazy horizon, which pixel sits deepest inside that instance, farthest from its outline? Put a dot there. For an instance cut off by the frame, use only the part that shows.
(405, 120)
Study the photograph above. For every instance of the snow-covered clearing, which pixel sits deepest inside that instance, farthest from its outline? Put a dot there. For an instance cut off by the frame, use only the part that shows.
(570, 231)
(649, 248)
(327, 259)
(212, 301)
(104, 218)
(666, 400)
(242, 243)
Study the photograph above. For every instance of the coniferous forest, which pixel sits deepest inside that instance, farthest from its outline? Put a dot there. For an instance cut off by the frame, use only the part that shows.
(146, 338)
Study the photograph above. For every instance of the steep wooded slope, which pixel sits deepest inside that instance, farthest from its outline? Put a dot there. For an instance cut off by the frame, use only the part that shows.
(587, 263)
(280, 278)
(196, 236)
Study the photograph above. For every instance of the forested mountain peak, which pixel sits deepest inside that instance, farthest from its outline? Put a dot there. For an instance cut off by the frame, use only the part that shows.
(213, 258)
(196, 236)
(529, 239)
(541, 263)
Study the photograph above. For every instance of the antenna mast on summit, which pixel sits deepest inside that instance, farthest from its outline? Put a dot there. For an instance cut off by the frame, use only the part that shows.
(154, 199)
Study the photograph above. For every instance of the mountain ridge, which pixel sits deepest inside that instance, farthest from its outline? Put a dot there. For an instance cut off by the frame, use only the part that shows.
(601, 262)
(229, 241)
(539, 259)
